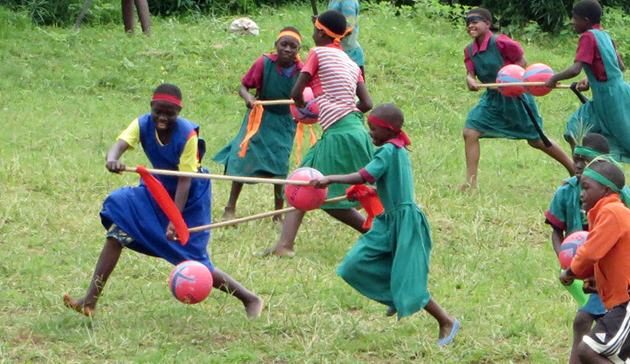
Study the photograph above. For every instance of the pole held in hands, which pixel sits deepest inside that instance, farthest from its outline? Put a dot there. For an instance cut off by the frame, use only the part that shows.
(509, 84)
(167, 172)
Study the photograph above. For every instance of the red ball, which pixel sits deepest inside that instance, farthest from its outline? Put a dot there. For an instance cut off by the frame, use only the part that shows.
(508, 74)
(190, 282)
(570, 246)
(309, 117)
(305, 197)
(538, 72)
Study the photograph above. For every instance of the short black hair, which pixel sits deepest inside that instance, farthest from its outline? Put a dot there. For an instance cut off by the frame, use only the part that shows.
(333, 20)
(596, 142)
(390, 114)
(169, 89)
(590, 9)
(291, 29)
(610, 171)
(482, 12)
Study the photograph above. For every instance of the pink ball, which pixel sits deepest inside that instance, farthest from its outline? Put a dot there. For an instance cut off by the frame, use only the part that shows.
(538, 72)
(311, 106)
(508, 74)
(190, 282)
(570, 246)
(305, 197)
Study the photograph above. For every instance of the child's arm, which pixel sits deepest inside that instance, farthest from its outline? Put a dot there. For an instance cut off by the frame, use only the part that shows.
(114, 153)
(471, 81)
(570, 72)
(365, 100)
(301, 83)
(557, 236)
(247, 96)
(350, 179)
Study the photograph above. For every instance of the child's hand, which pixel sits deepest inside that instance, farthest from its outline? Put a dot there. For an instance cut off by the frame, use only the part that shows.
(472, 83)
(321, 182)
(567, 277)
(171, 234)
(250, 102)
(551, 82)
(583, 84)
(590, 286)
(115, 166)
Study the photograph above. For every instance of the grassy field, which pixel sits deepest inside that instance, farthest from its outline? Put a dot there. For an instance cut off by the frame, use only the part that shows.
(65, 96)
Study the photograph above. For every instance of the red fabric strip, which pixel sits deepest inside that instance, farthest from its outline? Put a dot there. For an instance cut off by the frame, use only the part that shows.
(401, 135)
(167, 97)
(368, 198)
(166, 203)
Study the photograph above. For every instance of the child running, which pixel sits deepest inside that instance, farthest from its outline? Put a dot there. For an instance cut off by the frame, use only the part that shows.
(566, 215)
(608, 113)
(133, 218)
(605, 254)
(390, 263)
(345, 144)
(497, 116)
(350, 43)
(263, 145)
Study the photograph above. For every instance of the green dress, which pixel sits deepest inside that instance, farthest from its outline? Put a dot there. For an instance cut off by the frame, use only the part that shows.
(390, 263)
(498, 116)
(269, 150)
(344, 147)
(608, 113)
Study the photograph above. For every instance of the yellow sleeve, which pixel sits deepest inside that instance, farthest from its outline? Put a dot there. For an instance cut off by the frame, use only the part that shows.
(188, 161)
(132, 134)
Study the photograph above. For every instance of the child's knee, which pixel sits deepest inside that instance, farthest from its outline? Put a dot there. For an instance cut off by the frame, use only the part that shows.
(582, 323)
(471, 134)
(585, 352)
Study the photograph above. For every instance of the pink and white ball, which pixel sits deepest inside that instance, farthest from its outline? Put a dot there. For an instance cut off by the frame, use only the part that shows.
(305, 198)
(310, 113)
(509, 74)
(190, 282)
(538, 72)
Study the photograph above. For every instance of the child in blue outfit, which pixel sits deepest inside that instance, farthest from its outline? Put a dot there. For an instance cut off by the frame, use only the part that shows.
(350, 43)
(608, 112)
(133, 218)
(390, 263)
(566, 215)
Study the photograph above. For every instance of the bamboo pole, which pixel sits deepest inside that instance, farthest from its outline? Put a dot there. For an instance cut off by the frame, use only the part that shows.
(510, 84)
(167, 172)
(274, 102)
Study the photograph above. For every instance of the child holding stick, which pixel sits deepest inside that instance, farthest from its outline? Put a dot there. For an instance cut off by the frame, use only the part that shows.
(608, 112)
(345, 144)
(390, 263)
(132, 216)
(605, 254)
(263, 145)
(496, 115)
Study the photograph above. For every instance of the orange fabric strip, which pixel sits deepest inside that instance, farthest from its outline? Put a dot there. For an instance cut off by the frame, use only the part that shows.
(253, 124)
(290, 33)
(336, 37)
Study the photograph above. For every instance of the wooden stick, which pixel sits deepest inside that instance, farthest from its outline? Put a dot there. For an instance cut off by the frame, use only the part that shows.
(519, 84)
(167, 172)
(274, 102)
(257, 216)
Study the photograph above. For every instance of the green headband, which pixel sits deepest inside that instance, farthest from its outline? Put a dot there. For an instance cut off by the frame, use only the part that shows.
(601, 179)
(587, 152)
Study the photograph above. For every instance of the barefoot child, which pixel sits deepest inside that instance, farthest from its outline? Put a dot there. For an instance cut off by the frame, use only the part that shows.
(345, 144)
(265, 153)
(566, 215)
(390, 263)
(608, 112)
(606, 255)
(497, 116)
(133, 218)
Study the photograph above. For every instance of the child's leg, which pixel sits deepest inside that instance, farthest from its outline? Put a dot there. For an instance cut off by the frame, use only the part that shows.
(230, 209)
(127, 15)
(143, 14)
(445, 321)
(350, 217)
(290, 226)
(104, 267)
(278, 201)
(253, 304)
(589, 356)
(582, 324)
(473, 152)
(556, 153)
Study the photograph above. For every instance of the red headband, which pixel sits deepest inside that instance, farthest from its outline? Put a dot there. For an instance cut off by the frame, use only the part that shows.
(401, 140)
(167, 97)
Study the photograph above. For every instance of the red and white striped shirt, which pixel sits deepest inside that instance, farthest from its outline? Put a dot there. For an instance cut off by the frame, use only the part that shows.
(334, 82)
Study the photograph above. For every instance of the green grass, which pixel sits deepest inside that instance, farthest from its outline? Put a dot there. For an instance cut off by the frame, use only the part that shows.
(65, 96)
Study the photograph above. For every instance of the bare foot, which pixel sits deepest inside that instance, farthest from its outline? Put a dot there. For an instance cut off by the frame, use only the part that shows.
(254, 307)
(228, 214)
(79, 305)
(278, 219)
(277, 252)
(467, 186)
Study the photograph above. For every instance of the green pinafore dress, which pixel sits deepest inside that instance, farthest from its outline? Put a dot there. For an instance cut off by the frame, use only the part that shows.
(498, 116)
(269, 150)
(608, 113)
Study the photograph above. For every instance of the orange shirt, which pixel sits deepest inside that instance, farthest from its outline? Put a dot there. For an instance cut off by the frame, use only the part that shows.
(606, 251)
